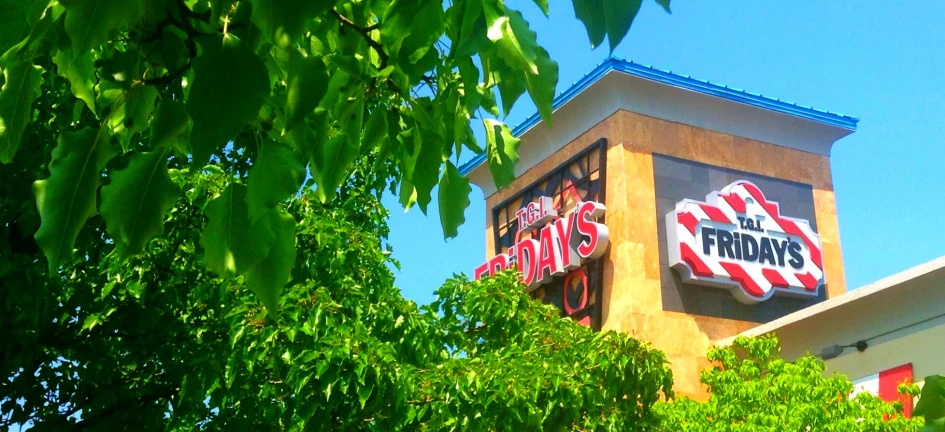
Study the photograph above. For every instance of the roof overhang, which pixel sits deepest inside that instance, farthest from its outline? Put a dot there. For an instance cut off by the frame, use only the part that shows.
(617, 84)
(896, 301)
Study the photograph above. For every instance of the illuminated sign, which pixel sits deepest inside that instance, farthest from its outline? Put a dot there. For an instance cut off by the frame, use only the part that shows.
(563, 243)
(737, 239)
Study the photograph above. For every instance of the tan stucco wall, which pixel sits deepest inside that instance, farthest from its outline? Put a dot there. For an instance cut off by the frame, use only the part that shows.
(632, 295)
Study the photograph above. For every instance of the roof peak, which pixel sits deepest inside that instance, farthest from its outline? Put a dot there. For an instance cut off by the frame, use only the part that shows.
(667, 77)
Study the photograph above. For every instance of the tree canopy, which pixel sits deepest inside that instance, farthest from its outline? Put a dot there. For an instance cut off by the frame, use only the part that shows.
(164, 162)
(160, 342)
(301, 88)
(752, 389)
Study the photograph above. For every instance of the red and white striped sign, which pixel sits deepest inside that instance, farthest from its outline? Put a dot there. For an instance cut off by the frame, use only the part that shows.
(737, 239)
(885, 384)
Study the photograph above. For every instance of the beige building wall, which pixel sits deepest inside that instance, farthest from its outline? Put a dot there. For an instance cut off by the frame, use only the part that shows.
(632, 291)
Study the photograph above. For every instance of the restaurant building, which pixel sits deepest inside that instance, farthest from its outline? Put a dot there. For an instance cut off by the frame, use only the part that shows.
(685, 213)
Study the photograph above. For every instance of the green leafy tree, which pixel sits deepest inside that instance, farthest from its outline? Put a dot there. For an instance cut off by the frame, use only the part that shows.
(931, 405)
(157, 341)
(752, 389)
(300, 87)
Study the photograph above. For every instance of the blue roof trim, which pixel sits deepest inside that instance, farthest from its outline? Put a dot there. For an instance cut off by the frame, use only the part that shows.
(684, 82)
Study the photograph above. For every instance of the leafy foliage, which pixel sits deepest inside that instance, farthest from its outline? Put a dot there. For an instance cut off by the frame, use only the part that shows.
(931, 405)
(298, 87)
(160, 342)
(555, 374)
(156, 153)
(753, 389)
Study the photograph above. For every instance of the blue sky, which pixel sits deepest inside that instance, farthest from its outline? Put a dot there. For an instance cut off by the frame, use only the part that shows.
(883, 62)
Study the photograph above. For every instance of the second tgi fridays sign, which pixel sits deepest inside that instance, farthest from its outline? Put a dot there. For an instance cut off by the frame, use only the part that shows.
(564, 242)
(739, 240)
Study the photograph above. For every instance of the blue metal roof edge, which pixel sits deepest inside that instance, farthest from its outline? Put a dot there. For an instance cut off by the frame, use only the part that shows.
(680, 81)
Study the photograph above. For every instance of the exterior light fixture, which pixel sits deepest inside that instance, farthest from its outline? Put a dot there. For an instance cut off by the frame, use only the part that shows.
(834, 351)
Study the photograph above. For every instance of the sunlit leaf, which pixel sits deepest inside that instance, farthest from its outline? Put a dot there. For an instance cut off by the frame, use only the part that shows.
(20, 88)
(67, 198)
(80, 72)
(502, 151)
(232, 242)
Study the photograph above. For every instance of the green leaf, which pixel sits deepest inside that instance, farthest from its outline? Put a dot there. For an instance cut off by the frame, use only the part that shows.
(307, 83)
(276, 176)
(268, 276)
(528, 65)
(426, 151)
(129, 114)
(170, 126)
(931, 403)
(374, 131)
(67, 198)
(541, 86)
(17, 19)
(229, 87)
(232, 242)
(468, 29)
(934, 426)
(364, 392)
(88, 22)
(20, 88)
(80, 71)
(409, 28)
(543, 5)
(665, 5)
(136, 202)
(502, 151)
(611, 18)
(407, 195)
(453, 197)
(173, 49)
(511, 83)
(331, 157)
(488, 99)
(515, 43)
(283, 21)
(330, 163)
(427, 169)
(470, 140)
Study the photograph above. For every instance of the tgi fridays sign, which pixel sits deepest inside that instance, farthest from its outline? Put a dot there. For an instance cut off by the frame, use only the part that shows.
(737, 239)
(564, 242)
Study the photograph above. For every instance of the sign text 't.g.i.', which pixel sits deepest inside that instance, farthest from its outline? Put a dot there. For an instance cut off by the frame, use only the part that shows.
(737, 239)
(562, 245)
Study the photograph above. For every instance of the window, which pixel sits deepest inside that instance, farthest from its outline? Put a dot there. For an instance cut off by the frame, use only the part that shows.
(578, 293)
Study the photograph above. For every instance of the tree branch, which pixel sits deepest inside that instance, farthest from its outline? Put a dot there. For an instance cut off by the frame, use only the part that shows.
(365, 34)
